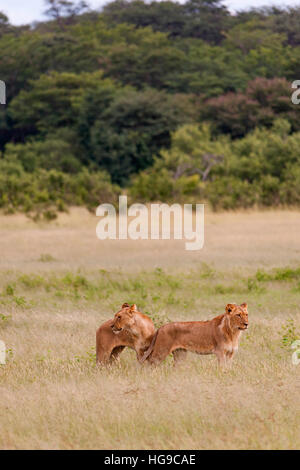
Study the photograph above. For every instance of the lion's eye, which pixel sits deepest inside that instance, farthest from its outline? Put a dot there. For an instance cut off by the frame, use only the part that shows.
(119, 317)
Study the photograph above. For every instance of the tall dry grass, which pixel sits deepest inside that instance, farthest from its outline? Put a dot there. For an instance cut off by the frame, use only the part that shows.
(58, 283)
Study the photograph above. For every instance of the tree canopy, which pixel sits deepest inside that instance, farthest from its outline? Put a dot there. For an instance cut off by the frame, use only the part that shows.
(113, 92)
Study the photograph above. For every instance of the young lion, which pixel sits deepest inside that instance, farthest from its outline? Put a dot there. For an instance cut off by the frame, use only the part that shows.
(128, 328)
(219, 336)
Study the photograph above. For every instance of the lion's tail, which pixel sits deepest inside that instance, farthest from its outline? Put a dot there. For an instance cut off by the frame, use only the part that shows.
(150, 349)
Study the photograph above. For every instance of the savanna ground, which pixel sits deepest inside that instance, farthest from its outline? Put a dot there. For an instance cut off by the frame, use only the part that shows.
(58, 283)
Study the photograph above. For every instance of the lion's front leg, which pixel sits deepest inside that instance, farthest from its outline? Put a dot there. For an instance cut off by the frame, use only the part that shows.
(116, 353)
(221, 356)
(228, 359)
(103, 357)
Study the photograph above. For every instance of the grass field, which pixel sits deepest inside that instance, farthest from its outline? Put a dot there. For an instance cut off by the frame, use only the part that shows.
(58, 283)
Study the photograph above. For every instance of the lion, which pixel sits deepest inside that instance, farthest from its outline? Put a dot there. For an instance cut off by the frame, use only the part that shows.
(130, 328)
(219, 336)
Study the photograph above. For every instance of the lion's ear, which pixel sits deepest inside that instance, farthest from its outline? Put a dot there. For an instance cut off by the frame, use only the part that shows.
(229, 308)
(244, 305)
(133, 308)
(126, 305)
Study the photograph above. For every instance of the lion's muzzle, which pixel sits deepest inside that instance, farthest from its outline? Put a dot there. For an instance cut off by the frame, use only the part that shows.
(115, 329)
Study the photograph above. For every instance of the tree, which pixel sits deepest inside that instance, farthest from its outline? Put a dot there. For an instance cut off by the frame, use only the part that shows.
(48, 103)
(5, 27)
(132, 129)
(51, 153)
(166, 16)
(286, 21)
(183, 170)
(263, 101)
(64, 11)
(206, 19)
(252, 35)
(143, 58)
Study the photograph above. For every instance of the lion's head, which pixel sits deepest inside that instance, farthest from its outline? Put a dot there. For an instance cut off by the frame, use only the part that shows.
(238, 315)
(124, 318)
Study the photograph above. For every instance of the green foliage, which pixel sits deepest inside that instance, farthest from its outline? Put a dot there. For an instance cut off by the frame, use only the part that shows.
(52, 153)
(9, 290)
(41, 193)
(158, 319)
(253, 171)
(206, 19)
(253, 286)
(88, 357)
(4, 319)
(46, 258)
(264, 101)
(176, 101)
(48, 104)
(132, 129)
(278, 274)
(288, 333)
(180, 172)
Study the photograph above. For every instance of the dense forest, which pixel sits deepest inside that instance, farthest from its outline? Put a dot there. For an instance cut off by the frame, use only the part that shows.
(165, 101)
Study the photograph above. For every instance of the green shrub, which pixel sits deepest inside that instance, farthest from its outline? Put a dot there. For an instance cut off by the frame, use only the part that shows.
(261, 169)
(41, 194)
(52, 153)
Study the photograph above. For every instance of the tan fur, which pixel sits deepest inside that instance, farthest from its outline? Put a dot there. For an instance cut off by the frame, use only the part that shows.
(130, 328)
(219, 336)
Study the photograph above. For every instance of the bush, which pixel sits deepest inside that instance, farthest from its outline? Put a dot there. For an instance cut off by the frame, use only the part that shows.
(231, 193)
(179, 173)
(41, 193)
(52, 153)
(264, 101)
(260, 169)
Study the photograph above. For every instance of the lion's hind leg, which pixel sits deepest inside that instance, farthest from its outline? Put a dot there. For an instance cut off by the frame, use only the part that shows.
(161, 346)
(179, 355)
(159, 354)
